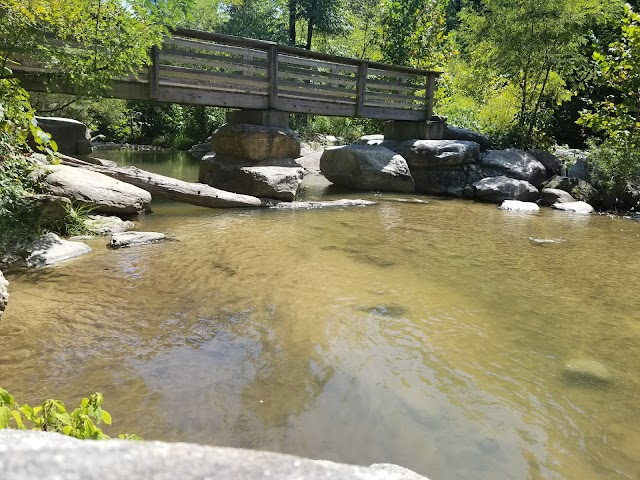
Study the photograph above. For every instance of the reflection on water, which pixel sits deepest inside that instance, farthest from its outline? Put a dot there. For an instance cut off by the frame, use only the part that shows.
(428, 335)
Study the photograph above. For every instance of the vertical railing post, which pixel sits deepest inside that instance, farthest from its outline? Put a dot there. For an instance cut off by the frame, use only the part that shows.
(154, 73)
(272, 72)
(361, 86)
(429, 94)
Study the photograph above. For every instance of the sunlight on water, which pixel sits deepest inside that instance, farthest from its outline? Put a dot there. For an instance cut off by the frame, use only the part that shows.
(428, 335)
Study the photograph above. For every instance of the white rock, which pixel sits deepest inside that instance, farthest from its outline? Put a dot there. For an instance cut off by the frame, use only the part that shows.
(582, 208)
(4, 294)
(518, 206)
(130, 239)
(51, 249)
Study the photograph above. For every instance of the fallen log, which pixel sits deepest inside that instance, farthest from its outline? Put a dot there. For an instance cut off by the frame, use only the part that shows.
(166, 187)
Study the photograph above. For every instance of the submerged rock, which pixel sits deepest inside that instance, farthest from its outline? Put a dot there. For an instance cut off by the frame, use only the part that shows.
(130, 239)
(4, 294)
(326, 204)
(367, 168)
(518, 206)
(51, 249)
(584, 370)
(583, 208)
(499, 189)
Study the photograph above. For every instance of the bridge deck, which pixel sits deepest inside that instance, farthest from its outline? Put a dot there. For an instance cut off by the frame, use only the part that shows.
(202, 68)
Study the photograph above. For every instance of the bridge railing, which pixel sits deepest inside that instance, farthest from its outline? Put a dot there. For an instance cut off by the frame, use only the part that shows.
(196, 67)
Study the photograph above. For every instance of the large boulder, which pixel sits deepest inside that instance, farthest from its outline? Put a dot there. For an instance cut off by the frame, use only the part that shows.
(582, 208)
(516, 164)
(450, 181)
(552, 164)
(366, 167)
(499, 189)
(4, 294)
(104, 194)
(438, 153)
(73, 137)
(278, 179)
(549, 196)
(50, 249)
(255, 142)
(579, 189)
(457, 133)
(36, 455)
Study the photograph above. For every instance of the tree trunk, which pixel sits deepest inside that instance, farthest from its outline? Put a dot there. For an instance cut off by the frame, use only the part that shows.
(293, 16)
(166, 187)
(309, 33)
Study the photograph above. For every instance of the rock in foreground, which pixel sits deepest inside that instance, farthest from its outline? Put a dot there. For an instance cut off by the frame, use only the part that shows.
(583, 208)
(518, 206)
(104, 194)
(52, 249)
(367, 168)
(30, 455)
(499, 189)
(130, 239)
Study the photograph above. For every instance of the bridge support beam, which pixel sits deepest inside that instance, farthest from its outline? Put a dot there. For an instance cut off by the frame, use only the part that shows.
(266, 118)
(407, 130)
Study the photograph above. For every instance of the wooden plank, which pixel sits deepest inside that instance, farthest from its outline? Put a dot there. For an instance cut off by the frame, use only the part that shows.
(321, 89)
(391, 97)
(226, 87)
(154, 73)
(208, 75)
(429, 96)
(285, 92)
(204, 63)
(394, 105)
(199, 59)
(361, 86)
(317, 63)
(272, 75)
(326, 79)
(389, 114)
(211, 47)
(380, 84)
(295, 105)
(392, 74)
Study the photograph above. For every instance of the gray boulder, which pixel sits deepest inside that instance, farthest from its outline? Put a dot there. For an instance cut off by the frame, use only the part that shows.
(130, 239)
(310, 163)
(255, 143)
(4, 294)
(549, 196)
(585, 370)
(516, 164)
(200, 150)
(580, 170)
(36, 455)
(499, 189)
(370, 140)
(450, 181)
(366, 167)
(104, 194)
(277, 179)
(438, 153)
(579, 189)
(518, 206)
(457, 133)
(582, 208)
(552, 164)
(73, 137)
(103, 225)
(51, 249)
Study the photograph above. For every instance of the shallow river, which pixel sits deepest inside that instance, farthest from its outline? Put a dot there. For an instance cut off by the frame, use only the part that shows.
(432, 335)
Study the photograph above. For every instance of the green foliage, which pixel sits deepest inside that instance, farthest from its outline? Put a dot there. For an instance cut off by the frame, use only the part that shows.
(52, 416)
(349, 129)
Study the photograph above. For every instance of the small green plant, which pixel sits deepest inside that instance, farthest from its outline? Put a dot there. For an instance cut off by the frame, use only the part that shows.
(52, 416)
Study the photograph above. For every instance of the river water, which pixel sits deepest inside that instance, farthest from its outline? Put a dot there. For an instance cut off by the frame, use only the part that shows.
(431, 335)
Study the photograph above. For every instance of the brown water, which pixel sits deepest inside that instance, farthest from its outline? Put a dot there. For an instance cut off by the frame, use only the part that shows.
(427, 335)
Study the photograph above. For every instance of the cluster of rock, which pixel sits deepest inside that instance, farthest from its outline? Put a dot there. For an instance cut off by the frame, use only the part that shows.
(462, 165)
(254, 160)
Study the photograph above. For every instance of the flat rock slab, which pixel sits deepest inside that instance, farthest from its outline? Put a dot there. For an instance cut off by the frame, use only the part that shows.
(103, 193)
(582, 208)
(51, 249)
(499, 189)
(584, 370)
(255, 142)
(516, 164)
(518, 206)
(367, 168)
(327, 204)
(438, 153)
(31, 455)
(130, 239)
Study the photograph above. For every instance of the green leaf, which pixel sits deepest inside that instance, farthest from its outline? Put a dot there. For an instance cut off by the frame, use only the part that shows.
(5, 415)
(106, 417)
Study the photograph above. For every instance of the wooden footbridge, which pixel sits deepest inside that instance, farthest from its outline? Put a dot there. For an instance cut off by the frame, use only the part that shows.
(201, 68)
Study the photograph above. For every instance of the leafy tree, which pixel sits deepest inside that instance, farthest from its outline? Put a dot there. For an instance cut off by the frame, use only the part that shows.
(260, 19)
(534, 45)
